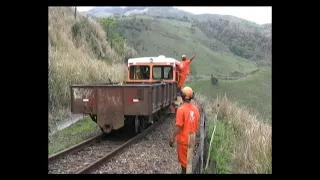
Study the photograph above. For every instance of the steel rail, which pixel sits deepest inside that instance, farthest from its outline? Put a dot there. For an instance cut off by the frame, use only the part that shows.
(110, 155)
(76, 148)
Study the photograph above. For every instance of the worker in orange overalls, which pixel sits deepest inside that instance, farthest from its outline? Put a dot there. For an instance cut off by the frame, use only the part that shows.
(187, 118)
(184, 68)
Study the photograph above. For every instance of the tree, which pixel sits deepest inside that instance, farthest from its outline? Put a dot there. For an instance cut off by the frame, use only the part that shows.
(185, 18)
(117, 15)
(193, 30)
(116, 41)
(214, 80)
(109, 25)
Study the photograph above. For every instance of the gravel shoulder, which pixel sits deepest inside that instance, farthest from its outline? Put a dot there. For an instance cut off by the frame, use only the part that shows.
(151, 155)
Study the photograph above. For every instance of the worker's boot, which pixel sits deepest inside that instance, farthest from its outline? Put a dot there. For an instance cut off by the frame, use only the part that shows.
(183, 170)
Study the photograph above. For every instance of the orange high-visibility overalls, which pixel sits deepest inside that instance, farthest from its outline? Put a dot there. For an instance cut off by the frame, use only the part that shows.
(187, 117)
(184, 67)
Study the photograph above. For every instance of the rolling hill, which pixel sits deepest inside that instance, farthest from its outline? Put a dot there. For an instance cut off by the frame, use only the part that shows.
(224, 44)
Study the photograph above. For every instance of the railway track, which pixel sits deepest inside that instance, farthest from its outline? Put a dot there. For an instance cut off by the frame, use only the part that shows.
(85, 157)
(53, 158)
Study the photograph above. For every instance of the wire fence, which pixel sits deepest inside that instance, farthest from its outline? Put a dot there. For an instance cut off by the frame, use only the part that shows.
(202, 162)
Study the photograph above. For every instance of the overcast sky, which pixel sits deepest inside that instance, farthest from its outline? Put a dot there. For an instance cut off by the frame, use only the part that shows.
(259, 14)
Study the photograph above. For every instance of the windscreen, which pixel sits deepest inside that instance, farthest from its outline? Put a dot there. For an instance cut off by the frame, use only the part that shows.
(162, 72)
(139, 72)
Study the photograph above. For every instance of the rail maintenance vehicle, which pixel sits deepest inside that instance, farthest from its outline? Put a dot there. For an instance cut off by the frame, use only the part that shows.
(149, 91)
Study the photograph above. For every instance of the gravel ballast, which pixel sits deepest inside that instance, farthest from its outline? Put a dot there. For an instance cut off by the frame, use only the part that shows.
(75, 162)
(150, 155)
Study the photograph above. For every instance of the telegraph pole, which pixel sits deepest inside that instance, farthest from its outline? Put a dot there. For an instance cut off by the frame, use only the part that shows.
(75, 12)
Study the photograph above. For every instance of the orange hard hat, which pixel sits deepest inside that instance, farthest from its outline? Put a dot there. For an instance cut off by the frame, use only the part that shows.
(187, 93)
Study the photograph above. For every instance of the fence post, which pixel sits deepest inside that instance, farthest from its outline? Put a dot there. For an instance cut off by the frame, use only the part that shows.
(214, 129)
(192, 138)
(49, 49)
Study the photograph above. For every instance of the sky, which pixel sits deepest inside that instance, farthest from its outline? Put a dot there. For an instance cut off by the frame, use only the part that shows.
(259, 14)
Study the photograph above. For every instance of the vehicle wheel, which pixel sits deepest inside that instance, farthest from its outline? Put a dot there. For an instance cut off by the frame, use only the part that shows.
(136, 125)
(143, 124)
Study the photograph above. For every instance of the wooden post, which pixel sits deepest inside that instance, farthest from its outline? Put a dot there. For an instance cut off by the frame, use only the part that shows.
(49, 47)
(192, 140)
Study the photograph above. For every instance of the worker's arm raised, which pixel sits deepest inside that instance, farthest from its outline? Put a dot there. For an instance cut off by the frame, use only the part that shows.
(193, 57)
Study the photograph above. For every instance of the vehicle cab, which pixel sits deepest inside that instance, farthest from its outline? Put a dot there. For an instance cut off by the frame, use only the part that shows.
(152, 70)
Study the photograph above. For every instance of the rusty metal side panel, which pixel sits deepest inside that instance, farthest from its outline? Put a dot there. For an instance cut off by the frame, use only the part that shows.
(167, 94)
(156, 101)
(172, 93)
(80, 103)
(159, 95)
(174, 88)
(164, 94)
(110, 107)
(141, 104)
(154, 98)
(150, 100)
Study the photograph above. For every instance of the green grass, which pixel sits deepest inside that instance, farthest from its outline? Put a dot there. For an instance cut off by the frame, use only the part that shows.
(72, 135)
(174, 38)
(242, 141)
(224, 139)
(254, 91)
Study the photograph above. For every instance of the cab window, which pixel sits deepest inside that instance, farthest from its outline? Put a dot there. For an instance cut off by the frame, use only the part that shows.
(139, 72)
(162, 72)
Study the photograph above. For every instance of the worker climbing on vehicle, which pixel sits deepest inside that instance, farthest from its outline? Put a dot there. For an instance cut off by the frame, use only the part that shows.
(187, 118)
(184, 68)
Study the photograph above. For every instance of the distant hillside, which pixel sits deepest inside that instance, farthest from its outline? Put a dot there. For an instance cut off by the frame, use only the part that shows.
(106, 11)
(253, 92)
(151, 37)
(223, 33)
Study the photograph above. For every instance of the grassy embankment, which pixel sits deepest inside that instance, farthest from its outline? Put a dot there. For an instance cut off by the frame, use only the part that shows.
(242, 140)
(78, 54)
